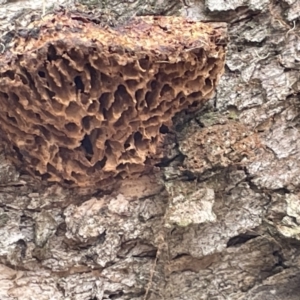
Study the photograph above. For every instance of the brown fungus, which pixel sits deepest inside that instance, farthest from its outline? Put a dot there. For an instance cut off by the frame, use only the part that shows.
(85, 104)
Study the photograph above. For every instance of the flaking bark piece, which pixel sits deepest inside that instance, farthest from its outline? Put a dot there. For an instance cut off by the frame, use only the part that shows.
(86, 104)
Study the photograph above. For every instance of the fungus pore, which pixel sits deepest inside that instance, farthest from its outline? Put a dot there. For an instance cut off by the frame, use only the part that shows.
(86, 104)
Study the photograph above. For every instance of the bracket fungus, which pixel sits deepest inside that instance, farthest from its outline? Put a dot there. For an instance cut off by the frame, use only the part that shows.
(86, 104)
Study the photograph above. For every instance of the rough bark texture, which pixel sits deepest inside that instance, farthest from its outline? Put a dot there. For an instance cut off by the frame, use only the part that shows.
(221, 220)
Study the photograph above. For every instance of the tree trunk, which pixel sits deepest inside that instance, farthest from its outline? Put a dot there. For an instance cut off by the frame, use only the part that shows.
(219, 220)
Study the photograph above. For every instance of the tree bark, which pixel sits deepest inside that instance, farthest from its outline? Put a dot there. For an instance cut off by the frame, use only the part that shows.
(221, 218)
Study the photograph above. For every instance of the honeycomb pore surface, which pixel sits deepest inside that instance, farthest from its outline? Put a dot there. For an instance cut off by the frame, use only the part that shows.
(85, 104)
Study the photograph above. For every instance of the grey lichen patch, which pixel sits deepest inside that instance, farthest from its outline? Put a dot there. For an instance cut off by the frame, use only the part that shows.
(4, 217)
(189, 206)
(289, 226)
(10, 234)
(119, 205)
(293, 207)
(255, 33)
(211, 118)
(223, 5)
(8, 173)
(45, 226)
(84, 221)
